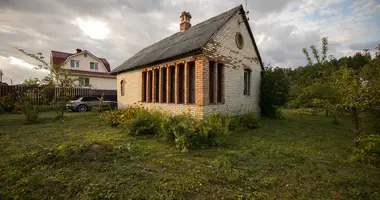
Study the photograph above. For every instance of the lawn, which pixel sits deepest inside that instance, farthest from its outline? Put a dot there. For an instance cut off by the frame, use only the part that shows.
(300, 157)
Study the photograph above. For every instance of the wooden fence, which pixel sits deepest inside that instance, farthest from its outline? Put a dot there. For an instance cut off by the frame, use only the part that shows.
(48, 95)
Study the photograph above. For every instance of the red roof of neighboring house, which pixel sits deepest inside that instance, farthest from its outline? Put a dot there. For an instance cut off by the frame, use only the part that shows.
(59, 57)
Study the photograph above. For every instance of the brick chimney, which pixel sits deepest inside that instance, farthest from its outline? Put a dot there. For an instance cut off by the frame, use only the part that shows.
(79, 50)
(185, 21)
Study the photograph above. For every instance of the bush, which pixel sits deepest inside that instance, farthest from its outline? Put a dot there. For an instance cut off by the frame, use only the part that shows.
(368, 150)
(6, 104)
(147, 123)
(218, 124)
(184, 130)
(29, 109)
(249, 120)
(117, 117)
(273, 112)
(274, 91)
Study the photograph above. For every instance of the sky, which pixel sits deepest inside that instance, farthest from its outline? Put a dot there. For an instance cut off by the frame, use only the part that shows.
(117, 29)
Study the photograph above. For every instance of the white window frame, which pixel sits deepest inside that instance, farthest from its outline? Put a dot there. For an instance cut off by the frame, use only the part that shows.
(74, 63)
(82, 81)
(95, 66)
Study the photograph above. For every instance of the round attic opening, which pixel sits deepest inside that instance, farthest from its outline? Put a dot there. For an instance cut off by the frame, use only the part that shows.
(239, 40)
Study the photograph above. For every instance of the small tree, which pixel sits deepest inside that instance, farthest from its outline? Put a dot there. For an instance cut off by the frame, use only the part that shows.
(359, 91)
(58, 79)
(275, 86)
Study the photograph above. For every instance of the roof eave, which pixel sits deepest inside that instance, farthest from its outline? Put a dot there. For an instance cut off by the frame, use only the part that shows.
(251, 35)
(190, 53)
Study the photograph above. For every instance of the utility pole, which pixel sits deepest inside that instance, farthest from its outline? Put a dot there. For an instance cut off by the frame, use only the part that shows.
(1, 76)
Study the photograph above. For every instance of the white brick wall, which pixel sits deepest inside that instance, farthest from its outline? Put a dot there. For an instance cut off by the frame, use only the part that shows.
(223, 48)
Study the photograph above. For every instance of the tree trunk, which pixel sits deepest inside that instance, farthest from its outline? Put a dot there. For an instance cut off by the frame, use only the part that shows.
(327, 112)
(355, 123)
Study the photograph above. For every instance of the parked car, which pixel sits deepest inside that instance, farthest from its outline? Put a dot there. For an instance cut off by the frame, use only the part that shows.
(84, 104)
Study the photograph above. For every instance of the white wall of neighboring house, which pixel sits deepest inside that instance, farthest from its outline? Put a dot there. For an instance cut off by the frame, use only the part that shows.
(96, 81)
(84, 63)
(99, 82)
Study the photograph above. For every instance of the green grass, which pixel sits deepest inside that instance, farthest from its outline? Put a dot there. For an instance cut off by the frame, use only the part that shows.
(300, 157)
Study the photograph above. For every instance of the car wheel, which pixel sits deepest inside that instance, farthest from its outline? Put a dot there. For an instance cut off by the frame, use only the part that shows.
(82, 108)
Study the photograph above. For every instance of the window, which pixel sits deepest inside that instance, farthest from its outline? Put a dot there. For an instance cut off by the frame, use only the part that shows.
(143, 91)
(181, 83)
(93, 66)
(74, 63)
(211, 82)
(150, 82)
(156, 85)
(122, 85)
(247, 82)
(164, 84)
(172, 84)
(90, 99)
(239, 40)
(219, 83)
(191, 89)
(84, 81)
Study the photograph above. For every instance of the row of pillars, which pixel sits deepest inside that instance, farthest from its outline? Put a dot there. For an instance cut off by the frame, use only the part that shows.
(191, 83)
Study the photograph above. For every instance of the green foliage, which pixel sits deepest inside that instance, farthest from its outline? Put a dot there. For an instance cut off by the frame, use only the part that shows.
(275, 86)
(369, 150)
(117, 117)
(250, 120)
(184, 130)
(6, 104)
(147, 123)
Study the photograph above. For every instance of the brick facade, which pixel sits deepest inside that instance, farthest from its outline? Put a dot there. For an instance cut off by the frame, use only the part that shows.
(221, 49)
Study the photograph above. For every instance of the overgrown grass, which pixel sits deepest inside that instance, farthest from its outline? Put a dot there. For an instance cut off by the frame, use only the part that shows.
(82, 157)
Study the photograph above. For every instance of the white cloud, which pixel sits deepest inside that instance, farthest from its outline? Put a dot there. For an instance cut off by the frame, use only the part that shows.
(93, 28)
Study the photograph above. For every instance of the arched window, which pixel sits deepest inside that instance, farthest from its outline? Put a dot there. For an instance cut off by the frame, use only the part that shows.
(122, 86)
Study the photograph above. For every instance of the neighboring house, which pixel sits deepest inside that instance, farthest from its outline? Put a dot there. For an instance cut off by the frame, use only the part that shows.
(90, 70)
(214, 66)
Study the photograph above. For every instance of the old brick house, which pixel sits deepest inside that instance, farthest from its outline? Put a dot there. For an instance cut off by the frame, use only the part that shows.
(214, 66)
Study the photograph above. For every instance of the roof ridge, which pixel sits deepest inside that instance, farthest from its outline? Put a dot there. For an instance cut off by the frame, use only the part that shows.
(178, 43)
(192, 27)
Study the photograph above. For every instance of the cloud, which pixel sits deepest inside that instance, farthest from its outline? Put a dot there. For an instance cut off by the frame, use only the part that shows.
(371, 45)
(116, 29)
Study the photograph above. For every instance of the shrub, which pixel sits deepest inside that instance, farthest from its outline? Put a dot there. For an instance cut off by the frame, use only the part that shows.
(249, 120)
(218, 124)
(273, 112)
(117, 117)
(6, 104)
(29, 109)
(274, 91)
(188, 132)
(147, 123)
(368, 150)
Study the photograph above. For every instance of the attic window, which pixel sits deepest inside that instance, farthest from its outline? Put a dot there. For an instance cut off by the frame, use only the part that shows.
(85, 54)
(239, 40)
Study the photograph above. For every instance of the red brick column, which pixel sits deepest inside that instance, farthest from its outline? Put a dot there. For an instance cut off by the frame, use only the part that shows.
(201, 81)
(186, 85)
